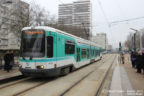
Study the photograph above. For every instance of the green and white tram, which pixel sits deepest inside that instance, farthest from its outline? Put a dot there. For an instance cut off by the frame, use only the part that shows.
(46, 51)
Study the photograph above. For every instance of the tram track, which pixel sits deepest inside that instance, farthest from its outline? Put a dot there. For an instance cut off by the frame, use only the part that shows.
(81, 79)
(66, 91)
(38, 85)
(14, 82)
(106, 75)
(11, 79)
(44, 82)
(37, 82)
(27, 90)
(24, 91)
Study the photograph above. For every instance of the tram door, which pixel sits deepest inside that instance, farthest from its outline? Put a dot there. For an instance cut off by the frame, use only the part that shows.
(78, 54)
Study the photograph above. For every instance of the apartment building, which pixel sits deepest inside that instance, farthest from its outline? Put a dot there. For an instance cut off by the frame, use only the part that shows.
(78, 13)
(14, 16)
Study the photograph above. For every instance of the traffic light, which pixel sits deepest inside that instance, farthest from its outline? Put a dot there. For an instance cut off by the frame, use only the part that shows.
(120, 46)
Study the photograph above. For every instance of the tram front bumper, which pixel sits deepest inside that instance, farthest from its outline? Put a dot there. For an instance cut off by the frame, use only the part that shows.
(41, 72)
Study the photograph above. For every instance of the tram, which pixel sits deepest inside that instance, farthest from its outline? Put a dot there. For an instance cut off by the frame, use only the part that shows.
(46, 51)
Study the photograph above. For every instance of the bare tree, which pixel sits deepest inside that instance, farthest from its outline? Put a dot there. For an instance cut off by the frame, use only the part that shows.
(21, 21)
(40, 17)
(130, 40)
(36, 15)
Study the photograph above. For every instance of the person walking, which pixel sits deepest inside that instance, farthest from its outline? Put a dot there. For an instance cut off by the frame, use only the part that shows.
(122, 58)
(7, 60)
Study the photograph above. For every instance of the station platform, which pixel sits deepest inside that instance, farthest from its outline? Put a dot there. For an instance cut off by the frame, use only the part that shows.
(125, 81)
(12, 73)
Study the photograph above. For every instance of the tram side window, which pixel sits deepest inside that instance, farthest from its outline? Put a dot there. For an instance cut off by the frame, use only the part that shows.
(49, 46)
(69, 47)
(98, 53)
(83, 53)
(88, 53)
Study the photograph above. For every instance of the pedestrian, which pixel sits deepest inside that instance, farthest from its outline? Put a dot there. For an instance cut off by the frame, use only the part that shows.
(122, 58)
(7, 60)
(133, 59)
(11, 59)
(139, 62)
(143, 61)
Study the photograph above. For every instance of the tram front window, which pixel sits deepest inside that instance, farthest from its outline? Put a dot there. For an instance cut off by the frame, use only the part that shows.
(33, 44)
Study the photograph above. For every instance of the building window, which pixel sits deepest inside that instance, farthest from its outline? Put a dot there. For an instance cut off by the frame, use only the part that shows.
(69, 47)
(83, 53)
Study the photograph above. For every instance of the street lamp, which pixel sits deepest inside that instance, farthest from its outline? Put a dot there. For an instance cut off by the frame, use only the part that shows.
(140, 42)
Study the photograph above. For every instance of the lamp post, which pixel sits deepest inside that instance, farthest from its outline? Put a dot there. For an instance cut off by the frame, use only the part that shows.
(140, 42)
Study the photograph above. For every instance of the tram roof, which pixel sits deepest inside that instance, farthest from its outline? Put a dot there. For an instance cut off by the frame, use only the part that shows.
(78, 39)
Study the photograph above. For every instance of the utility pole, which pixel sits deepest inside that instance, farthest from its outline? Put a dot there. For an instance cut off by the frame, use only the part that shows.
(105, 41)
(134, 42)
(120, 47)
(87, 34)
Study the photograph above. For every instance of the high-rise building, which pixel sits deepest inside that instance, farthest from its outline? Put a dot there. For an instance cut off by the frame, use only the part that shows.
(78, 13)
(14, 16)
(65, 14)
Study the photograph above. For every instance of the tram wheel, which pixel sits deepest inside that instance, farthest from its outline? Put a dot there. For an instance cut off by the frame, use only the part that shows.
(65, 71)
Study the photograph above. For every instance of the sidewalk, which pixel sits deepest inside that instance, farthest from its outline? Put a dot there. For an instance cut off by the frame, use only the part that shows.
(14, 72)
(136, 79)
(125, 80)
(5, 75)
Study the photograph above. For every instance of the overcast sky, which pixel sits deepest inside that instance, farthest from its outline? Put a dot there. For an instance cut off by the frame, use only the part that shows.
(114, 10)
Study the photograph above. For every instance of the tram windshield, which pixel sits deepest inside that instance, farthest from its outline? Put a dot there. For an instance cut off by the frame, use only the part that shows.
(33, 43)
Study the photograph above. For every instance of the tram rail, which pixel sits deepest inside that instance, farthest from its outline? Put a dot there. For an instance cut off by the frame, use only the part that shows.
(44, 82)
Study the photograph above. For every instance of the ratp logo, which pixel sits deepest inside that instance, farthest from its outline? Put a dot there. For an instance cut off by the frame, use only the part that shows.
(27, 63)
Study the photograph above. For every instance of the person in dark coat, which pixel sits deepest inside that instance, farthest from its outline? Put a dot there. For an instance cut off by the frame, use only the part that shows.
(11, 59)
(143, 61)
(7, 59)
(139, 63)
(133, 59)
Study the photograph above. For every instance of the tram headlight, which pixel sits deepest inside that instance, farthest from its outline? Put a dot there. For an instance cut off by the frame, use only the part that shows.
(41, 67)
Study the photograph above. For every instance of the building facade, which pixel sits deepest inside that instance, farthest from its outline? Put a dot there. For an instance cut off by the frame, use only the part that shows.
(78, 13)
(109, 47)
(15, 15)
(101, 39)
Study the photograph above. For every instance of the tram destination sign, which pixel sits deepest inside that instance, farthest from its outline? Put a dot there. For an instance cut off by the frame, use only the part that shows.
(34, 32)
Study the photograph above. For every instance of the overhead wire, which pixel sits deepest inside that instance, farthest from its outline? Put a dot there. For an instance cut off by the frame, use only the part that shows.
(102, 9)
(127, 20)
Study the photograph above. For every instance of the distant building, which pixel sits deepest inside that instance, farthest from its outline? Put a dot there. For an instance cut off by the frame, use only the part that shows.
(109, 47)
(101, 39)
(14, 15)
(78, 13)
